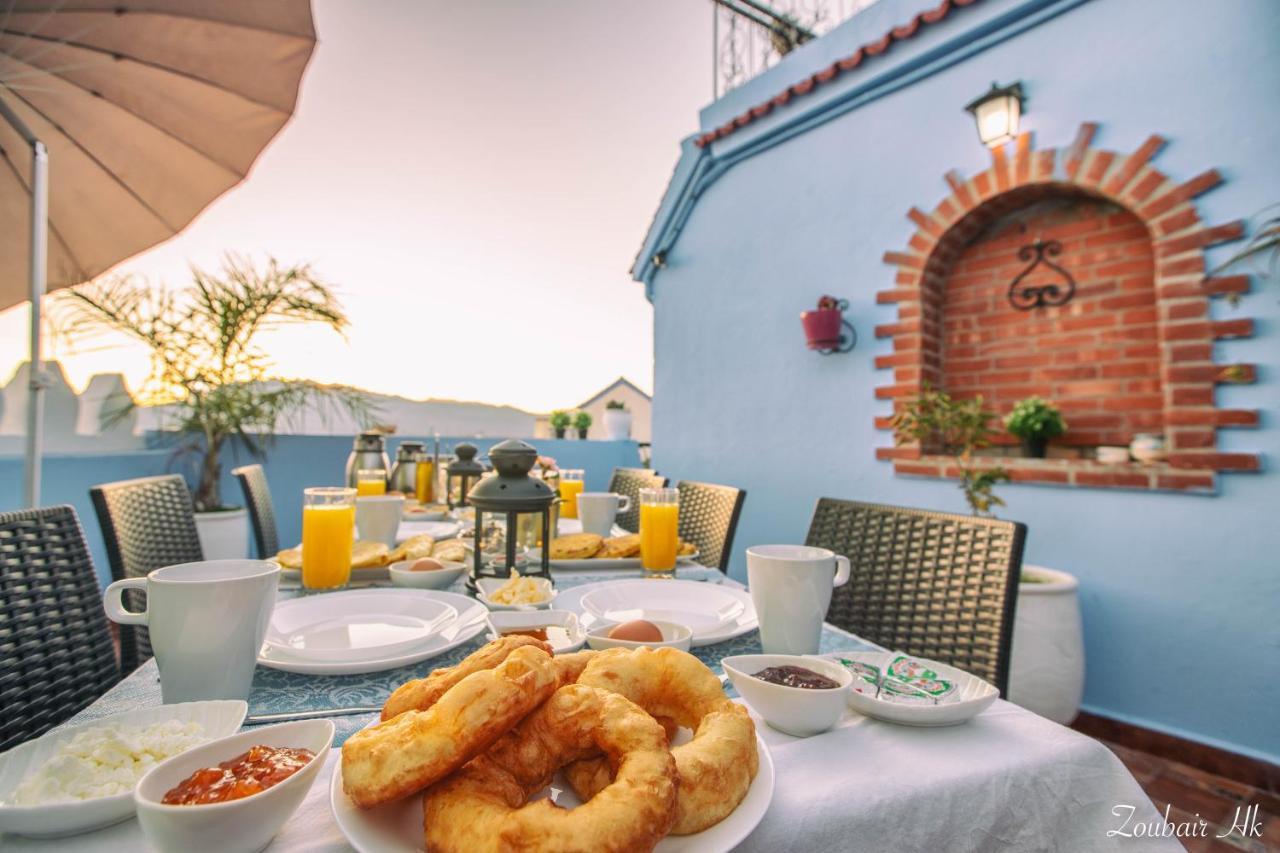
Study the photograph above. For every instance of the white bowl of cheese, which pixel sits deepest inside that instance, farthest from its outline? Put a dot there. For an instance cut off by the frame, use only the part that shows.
(81, 778)
(516, 592)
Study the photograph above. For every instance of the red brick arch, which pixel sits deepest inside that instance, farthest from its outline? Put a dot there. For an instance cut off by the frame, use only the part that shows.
(1173, 319)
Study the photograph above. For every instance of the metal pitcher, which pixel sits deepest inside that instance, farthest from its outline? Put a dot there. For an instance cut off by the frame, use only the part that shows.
(368, 451)
(404, 474)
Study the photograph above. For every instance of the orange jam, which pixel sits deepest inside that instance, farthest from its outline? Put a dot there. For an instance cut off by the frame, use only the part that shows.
(243, 776)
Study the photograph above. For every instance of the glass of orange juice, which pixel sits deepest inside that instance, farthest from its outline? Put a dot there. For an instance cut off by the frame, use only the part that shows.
(371, 481)
(572, 481)
(425, 479)
(659, 531)
(328, 528)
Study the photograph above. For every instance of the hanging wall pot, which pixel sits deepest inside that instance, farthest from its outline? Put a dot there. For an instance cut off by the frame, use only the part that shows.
(825, 328)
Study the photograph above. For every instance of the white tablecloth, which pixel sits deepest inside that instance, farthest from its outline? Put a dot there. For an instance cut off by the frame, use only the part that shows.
(1006, 780)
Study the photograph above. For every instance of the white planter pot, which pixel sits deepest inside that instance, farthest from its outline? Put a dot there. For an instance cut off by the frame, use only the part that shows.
(617, 424)
(224, 535)
(1046, 669)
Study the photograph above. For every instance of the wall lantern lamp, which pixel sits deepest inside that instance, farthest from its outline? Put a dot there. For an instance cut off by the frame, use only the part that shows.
(825, 328)
(997, 114)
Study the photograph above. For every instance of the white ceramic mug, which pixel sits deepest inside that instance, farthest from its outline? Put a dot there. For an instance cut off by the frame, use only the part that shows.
(378, 518)
(598, 510)
(791, 588)
(207, 622)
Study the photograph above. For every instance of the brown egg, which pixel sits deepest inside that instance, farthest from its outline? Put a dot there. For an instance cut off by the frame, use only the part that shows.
(426, 564)
(638, 631)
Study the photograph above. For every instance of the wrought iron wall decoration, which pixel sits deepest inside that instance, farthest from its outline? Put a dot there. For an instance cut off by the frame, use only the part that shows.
(1025, 297)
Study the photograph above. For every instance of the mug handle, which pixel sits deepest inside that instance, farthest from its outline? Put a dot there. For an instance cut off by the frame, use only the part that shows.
(112, 602)
(624, 503)
(842, 571)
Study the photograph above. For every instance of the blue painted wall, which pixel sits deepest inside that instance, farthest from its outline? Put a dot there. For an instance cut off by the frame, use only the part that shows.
(293, 463)
(1180, 593)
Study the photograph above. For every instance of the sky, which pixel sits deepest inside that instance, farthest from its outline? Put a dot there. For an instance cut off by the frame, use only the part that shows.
(474, 179)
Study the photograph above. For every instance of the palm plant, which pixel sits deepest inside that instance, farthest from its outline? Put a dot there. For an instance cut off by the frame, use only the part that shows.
(1263, 245)
(205, 366)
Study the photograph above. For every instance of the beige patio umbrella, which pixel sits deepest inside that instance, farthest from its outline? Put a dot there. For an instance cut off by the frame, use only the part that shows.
(143, 112)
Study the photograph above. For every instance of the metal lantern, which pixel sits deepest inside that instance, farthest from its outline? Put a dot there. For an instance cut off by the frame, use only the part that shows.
(997, 114)
(511, 494)
(464, 471)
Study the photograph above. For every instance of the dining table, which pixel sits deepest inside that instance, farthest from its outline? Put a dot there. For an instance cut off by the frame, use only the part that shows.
(1007, 779)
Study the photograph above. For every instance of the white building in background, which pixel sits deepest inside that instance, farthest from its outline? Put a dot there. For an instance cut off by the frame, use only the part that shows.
(90, 422)
(72, 423)
(624, 391)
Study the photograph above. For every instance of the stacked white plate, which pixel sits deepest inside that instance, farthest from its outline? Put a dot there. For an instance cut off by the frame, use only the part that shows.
(713, 612)
(367, 630)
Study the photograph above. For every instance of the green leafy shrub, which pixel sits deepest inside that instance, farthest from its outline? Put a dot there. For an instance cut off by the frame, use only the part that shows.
(581, 420)
(560, 419)
(956, 427)
(1035, 418)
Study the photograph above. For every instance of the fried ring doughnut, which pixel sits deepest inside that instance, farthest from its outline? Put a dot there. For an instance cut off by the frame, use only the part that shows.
(485, 807)
(420, 694)
(414, 749)
(716, 767)
(571, 664)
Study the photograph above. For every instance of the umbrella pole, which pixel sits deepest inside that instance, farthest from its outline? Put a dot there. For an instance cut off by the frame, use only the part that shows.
(39, 261)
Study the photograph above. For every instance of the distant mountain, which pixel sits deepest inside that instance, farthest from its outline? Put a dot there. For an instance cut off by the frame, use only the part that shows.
(421, 417)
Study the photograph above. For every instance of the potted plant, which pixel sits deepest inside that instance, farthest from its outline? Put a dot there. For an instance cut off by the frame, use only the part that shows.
(214, 383)
(824, 325)
(582, 422)
(1035, 421)
(560, 420)
(957, 428)
(617, 421)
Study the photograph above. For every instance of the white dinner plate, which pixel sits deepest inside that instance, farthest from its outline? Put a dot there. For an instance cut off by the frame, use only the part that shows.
(703, 608)
(438, 528)
(355, 625)
(606, 562)
(975, 694)
(358, 576)
(687, 592)
(397, 827)
(219, 718)
(411, 513)
(471, 620)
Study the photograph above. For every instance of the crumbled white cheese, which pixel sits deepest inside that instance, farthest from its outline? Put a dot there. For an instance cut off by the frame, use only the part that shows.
(105, 760)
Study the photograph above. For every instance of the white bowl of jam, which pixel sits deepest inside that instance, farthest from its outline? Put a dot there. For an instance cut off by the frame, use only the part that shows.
(798, 695)
(232, 794)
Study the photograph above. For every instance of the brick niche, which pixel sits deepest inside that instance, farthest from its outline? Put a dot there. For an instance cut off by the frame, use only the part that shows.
(1131, 352)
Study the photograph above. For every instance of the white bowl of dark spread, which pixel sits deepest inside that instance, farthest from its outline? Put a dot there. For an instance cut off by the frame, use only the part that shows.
(798, 695)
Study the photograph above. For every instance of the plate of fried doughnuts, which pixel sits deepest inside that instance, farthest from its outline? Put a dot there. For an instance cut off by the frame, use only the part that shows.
(459, 759)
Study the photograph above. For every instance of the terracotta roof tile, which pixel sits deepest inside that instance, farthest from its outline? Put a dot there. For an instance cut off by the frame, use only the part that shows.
(826, 75)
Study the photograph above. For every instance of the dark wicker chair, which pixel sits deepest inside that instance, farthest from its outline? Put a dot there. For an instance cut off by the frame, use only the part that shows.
(629, 482)
(55, 647)
(708, 519)
(148, 523)
(932, 584)
(257, 497)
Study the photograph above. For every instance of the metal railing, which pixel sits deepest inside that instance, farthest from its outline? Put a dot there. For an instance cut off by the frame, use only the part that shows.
(750, 36)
